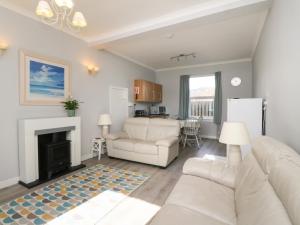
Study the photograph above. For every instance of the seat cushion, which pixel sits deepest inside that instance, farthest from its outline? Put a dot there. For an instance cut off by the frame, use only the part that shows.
(146, 147)
(178, 215)
(206, 197)
(124, 144)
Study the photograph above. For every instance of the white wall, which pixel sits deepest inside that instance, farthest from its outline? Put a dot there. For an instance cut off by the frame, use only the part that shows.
(24, 33)
(276, 71)
(170, 81)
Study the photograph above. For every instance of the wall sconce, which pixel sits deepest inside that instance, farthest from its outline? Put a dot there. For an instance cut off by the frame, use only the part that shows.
(3, 47)
(92, 70)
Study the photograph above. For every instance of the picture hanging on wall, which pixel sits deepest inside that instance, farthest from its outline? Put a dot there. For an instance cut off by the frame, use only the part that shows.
(43, 81)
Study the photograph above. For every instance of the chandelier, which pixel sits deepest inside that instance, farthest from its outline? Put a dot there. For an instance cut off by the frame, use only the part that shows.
(61, 12)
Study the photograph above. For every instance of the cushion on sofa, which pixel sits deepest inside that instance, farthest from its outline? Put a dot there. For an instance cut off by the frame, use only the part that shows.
(285, 179)
(256, 201)
(145, 147)
(215, 170)
(269, 151)
(178, 215)
(124, 144)
(206, 197)
(262, 208)
(136, 128)
(160, 129)
(250, 179)
(168, 142)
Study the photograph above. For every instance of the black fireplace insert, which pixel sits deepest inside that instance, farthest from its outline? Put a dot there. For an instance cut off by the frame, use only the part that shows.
(54, 155)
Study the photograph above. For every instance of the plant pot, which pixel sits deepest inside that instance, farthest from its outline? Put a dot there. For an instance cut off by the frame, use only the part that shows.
(71, 113)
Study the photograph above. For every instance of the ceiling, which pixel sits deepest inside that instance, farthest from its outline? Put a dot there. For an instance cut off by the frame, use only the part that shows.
(150, 32)
(105, 16)
(227, 40)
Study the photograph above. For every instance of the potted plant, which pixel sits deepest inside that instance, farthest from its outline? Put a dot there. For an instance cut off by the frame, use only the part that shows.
(71, 105)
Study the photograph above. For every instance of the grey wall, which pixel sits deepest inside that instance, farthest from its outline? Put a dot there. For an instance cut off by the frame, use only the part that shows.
(24, 33)
(276, 71)
(170, 81)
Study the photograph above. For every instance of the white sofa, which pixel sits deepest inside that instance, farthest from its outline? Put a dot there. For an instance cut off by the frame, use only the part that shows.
(151, 141)
(263, 190)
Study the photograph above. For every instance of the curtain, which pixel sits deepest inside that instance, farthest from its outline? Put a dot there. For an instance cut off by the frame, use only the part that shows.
(184, 97)
(218, 99)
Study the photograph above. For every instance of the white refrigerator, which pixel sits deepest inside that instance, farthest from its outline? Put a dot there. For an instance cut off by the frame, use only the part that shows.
(249, 111)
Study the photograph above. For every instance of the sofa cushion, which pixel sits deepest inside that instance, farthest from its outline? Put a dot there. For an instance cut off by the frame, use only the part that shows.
(215, 170)
(136, 128)
(160, 129)
(178, 215)
(249, 180)
(124, 144)
(285, 179)
(269, 151)
(146, 147)
(206, 197)
(168, 142)
(262, 208)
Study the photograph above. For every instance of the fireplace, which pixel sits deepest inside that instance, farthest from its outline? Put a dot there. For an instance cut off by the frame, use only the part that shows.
(53, 154)
(48, 148)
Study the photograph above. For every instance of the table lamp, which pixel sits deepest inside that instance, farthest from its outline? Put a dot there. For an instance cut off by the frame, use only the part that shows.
(234, 134)
(104, 121)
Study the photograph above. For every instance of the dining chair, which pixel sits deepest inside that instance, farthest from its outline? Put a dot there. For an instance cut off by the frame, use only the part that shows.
(191, 131)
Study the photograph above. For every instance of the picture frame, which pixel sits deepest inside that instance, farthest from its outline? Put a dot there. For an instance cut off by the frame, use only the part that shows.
(43, 80)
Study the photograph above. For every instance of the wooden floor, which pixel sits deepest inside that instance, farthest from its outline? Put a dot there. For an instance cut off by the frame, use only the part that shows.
(156, 189)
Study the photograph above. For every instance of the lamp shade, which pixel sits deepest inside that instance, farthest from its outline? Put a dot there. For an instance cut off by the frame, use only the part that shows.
(234, 133)
(79, 20)
(65, 3)
(104, 120)
(44, 10)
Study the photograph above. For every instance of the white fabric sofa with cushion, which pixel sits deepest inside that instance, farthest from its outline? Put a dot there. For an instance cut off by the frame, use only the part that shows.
(263, 190)
(151, 141)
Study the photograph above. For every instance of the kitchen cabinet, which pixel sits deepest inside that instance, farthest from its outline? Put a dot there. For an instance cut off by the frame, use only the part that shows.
(146, 91)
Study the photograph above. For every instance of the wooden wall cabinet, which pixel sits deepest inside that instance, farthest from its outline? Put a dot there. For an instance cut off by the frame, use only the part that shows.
(146, 91)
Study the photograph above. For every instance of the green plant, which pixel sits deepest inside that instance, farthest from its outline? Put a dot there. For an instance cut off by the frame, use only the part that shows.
(71, 104)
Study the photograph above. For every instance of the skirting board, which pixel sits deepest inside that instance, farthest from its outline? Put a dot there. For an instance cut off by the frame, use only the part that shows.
(9, 182)
(87, 156)
(209, 137)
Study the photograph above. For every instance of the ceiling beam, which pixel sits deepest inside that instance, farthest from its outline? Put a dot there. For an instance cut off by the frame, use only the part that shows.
(192, 13)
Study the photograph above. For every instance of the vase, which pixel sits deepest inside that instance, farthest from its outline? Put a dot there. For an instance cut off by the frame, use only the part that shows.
(71, 113)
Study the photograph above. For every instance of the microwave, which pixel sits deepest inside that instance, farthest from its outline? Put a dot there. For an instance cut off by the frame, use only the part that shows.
(162, 109)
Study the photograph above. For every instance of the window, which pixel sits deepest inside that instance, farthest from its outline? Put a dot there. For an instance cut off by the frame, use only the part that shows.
(202, 94)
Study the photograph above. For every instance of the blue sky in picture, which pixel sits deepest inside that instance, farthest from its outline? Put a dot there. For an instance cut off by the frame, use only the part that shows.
(46, 80)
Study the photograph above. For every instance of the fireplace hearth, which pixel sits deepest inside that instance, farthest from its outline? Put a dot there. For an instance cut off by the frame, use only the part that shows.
(54, 155)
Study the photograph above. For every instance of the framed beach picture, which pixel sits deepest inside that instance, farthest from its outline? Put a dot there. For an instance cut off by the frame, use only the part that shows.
(43, 81)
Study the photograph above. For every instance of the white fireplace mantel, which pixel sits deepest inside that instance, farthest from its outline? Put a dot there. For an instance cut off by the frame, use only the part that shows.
(28, 143)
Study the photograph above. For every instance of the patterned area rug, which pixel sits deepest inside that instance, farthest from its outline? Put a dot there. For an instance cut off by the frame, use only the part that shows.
(45, 204)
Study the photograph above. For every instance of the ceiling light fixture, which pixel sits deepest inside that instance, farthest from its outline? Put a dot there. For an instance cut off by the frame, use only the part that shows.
(60, 12)
(185, 56)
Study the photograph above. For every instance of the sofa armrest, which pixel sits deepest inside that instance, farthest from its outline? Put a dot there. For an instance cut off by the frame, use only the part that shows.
(116, 136)
(168, 142)
(214, 170)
